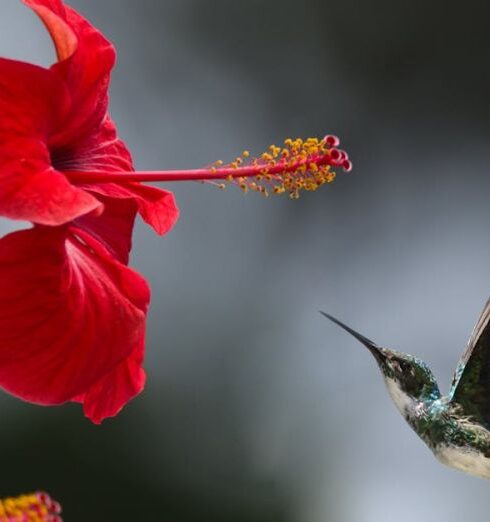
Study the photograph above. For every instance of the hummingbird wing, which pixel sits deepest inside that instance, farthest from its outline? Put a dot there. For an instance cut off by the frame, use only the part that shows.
(471, 382)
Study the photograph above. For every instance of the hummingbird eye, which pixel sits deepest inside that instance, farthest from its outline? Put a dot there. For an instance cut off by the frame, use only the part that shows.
(401, 366)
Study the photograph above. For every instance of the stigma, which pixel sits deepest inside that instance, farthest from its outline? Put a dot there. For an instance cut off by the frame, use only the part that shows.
(34, 507)
(296, 166)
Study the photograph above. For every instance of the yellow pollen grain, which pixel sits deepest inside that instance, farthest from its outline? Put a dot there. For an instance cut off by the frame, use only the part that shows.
(313, 167)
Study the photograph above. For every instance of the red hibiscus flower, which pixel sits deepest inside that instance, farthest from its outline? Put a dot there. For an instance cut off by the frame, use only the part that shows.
(36, 507)
(72, 314)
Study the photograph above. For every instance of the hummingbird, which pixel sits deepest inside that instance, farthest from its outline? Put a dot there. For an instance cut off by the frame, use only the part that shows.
(455, 427)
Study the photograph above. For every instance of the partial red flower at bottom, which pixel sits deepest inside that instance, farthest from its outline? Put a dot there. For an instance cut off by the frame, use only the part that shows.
(72, 313)
(34, 507)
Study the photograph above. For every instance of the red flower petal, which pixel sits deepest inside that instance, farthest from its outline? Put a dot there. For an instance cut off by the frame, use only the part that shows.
(69, 314)
(113, 228)
(53, 15)
(86, 59)
(113, 391)
(156, 206)
(32, 102)
(31, 190)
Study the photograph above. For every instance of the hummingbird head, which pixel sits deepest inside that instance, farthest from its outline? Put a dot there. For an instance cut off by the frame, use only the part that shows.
(408, 379)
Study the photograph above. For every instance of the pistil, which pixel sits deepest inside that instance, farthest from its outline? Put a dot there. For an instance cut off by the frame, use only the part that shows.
(297, 165)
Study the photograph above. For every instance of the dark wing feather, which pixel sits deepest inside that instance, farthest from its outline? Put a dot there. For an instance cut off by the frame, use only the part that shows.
(471, 383)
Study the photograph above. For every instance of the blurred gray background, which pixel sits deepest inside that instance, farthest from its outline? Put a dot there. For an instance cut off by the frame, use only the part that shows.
(257, 408)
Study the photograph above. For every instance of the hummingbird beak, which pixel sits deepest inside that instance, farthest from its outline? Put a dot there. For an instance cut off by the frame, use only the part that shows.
(370, 345)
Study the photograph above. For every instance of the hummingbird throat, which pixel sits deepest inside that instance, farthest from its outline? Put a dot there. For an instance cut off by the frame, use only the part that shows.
(404, 403)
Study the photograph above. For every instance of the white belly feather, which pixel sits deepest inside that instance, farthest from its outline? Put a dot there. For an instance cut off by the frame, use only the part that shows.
(465, 460)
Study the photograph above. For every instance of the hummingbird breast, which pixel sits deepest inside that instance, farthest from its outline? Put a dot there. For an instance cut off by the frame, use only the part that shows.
(465, 459)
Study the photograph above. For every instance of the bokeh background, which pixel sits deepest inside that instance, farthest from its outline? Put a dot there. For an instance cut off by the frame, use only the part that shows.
(257, 408)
